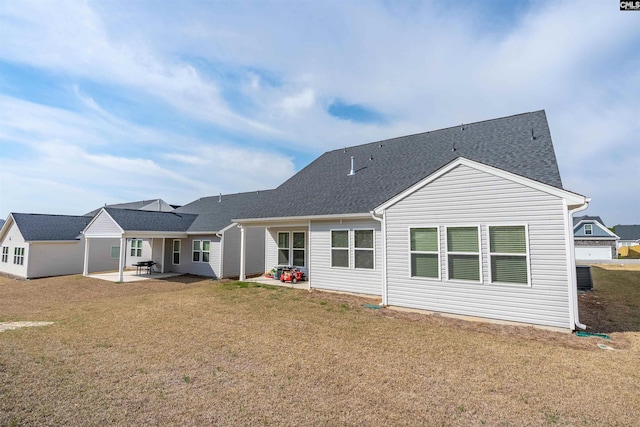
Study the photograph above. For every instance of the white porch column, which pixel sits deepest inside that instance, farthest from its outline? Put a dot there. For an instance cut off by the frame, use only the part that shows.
(243, 252)
(123, 251)
(85, 270)
(164, 242)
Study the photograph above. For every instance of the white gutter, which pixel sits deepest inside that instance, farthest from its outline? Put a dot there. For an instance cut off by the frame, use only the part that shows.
(571, 265)
(383, 231)
(302, 220)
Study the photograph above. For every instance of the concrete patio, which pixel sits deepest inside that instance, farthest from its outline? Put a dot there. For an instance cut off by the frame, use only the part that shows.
(131, 276)
(269, 281)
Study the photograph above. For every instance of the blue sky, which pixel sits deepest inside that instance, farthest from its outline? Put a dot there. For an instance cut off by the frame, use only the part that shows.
(115, 101)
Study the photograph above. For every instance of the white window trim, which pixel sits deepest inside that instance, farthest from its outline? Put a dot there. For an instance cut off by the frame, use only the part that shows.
(527, 255)
(174, 252)
(479, 253)
(132, 248)
(372, 249)
(18, 255)
(348, 249)
(290, 259)
(590, 233)
(5, 254)
(201, 251)
(439, 252)
(303, 249)
(111, 252)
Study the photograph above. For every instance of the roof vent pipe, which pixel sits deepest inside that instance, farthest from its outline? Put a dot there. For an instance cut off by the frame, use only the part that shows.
(219, 197)
(159, 205)
(352, 172)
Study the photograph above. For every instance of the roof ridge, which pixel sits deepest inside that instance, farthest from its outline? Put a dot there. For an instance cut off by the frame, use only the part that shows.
(434, 131)
(44, 214)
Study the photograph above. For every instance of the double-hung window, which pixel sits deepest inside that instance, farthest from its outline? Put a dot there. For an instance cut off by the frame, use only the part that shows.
(588, 229)
(425, 258)
(298, 248)
(508, 253)
(284, 255)
(5, 254)
(201, 250)
(18, 256)
(136, 247)
(340, 248)
(175, 260)
(463, 253)
(363, 248)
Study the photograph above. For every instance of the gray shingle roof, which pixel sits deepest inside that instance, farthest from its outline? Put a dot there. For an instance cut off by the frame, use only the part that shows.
(38, 227)
(215, 213)
(136, 220)
(147, 205)
(520, 144)
(576, 220)
(628, 232)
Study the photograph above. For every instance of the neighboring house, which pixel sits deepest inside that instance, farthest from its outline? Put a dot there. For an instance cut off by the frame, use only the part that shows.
(36, 245)
(629, 235)
(198, 238)
(593, 240)
(140, 205)
(470, 220)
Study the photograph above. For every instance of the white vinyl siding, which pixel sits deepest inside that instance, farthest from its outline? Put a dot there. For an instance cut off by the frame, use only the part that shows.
(254, 251)
(187, 263)
(425, 256)
(466, 196)
(103, 225)
(344, 279)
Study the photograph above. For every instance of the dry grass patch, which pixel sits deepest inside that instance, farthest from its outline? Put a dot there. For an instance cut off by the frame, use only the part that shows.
(199, 352)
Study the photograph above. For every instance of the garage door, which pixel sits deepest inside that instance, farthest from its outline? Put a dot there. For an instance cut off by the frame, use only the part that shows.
(593, 252)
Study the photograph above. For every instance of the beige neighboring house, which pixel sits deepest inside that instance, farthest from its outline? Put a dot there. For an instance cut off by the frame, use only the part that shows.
(37, 245)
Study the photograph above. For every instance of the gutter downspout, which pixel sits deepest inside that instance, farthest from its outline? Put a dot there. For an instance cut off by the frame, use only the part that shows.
(383, 231)
(573, 286)
(221, 255)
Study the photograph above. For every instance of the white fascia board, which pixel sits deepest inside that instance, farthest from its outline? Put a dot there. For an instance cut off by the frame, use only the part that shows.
(102, 211)
(203, 233)
(155, 234)
(6, 226)
(573, 199)
(300, 220)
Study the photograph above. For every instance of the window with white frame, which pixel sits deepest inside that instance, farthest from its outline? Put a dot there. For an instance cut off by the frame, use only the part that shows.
(18, 256)
(508, 254)
(363, 248)
(284, 249)
(115, 252)
(425, 257)
(5, 254)
(175, 260)
(340, 248)
(299, 243)
(588, 229)
(136, 247)
(463, 253)
(201, 250)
